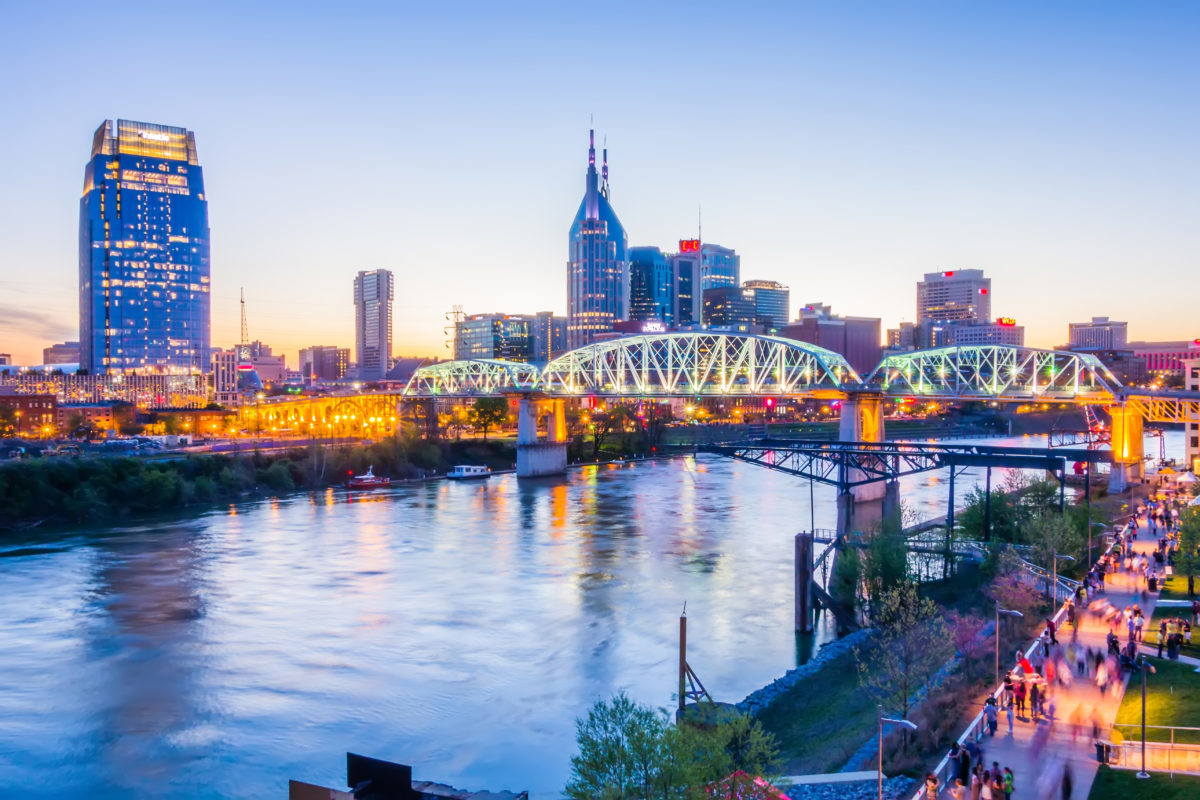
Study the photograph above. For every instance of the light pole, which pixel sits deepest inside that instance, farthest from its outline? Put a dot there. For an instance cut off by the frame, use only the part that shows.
(1010, 613)
(1057, 556)
(1142, 663)
(883, 719)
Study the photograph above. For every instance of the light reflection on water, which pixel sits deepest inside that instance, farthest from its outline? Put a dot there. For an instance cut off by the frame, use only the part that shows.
(459, 627)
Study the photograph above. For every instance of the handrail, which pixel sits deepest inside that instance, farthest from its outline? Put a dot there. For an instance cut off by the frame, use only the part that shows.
(978, 719)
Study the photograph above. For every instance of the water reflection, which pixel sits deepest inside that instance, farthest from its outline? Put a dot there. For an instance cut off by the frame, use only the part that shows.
(457, 626)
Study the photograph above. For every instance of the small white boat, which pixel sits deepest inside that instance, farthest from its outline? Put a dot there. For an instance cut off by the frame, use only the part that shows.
(463, 472)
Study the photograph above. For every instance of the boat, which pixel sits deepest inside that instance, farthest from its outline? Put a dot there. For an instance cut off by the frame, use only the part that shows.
(463, 472)
(368, 480)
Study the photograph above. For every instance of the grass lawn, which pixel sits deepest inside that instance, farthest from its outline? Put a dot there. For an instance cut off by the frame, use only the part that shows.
(1122, 784)
(822, 721)
(1150, 633)
(1172, 698)
(1175, 588)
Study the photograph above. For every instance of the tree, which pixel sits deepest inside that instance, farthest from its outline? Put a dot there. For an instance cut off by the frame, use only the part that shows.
(911, 644)
(630, 752)
(1189, 540)
(488, 412)
(1048, 533)
(885, 560)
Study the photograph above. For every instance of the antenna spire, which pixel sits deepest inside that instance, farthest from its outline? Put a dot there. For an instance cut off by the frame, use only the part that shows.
(604, 167)
(244, 348)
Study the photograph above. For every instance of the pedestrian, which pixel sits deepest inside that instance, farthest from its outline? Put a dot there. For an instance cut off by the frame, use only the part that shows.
(964, 766)
(1162, 636)
(1019, 695)
(1008, 783)
(957, 789)
(997, 782)
(1050, 628)
(991, 714)
(976, 783)
(1035, 697)
(1066, 782)
(1008, 712)
(985, 786)
(931, 786)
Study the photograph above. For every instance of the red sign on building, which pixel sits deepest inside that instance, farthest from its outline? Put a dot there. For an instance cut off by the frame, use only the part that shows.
(689, 245)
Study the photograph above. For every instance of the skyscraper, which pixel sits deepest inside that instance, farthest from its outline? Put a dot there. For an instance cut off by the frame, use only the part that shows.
(771, 302)
(143, 252)
(373, 323)
(650, 286)
(720, 266)
(597, 266)
(956, 296)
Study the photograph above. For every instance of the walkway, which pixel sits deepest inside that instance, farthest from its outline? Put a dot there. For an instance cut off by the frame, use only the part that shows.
(1037, 769)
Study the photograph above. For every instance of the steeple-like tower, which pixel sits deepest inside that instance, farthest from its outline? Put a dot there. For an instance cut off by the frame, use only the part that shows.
(598, 264)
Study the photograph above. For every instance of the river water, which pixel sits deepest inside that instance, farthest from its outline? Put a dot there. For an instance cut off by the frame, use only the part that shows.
(458, 627)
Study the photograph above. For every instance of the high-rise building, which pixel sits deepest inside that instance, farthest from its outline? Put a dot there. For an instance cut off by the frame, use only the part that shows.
(730, 308)
(143, 252)
(856, 338)
(719, 266)
(373, 323)
(687, 294)
(1191, 434)
(597, 266)
(225, 376)
(956, 296)
(508, 337)
(549, 336)
(1099, 334)
(1004, 331)
(324, 363)
(771, 302)
(62, 353)
(651, 285)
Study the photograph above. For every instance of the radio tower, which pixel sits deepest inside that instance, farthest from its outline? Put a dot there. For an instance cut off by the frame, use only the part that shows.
(244, 347)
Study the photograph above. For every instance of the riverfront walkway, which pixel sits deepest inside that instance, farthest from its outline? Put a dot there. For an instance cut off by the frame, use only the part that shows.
(1039, 752)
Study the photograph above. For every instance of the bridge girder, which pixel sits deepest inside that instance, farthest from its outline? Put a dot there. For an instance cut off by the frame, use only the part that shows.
(472, 378)
(996, 372)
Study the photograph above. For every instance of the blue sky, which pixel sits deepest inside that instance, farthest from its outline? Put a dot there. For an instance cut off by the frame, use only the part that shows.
(843, 148)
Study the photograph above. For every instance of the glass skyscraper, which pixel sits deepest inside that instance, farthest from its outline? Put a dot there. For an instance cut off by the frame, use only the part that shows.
(143, 252)
(373, 323)
(597, 267)
(650, 285)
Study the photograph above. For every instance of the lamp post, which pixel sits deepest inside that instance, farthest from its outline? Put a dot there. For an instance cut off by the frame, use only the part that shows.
(1054, 583)
(883, 719)
(1009, 613)
(1145, 667)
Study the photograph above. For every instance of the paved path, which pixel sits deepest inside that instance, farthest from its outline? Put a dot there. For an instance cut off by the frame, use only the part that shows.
(1036, 769)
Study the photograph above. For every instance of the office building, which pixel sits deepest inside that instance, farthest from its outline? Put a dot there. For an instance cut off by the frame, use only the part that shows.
(730, 308)
(6, 359)
(1099, 334)
(855, 338)
(1191, 433)
(324, 363)
(224, 376)
(903, 338)
(687, 294)
(719, 266)
(63, 353)
(651, 286)
(1164, 359)
(549, 337)
(597, 264)
(373, 323)
(956, 296)
(771, 302)
(508, 337)
(1004, 331)
(143, 252)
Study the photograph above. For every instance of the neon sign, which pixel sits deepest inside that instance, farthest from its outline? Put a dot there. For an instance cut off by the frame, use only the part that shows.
(689, 245)
(1007, 322)
(154, 137)
(949, 274)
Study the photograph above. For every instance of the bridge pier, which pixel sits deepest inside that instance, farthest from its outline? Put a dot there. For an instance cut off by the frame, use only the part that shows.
(1127, 447)
(537, 458)
(862, 421)
(804, 582)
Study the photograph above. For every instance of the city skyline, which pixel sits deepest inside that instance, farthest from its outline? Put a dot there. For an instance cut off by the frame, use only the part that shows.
(1063, 170)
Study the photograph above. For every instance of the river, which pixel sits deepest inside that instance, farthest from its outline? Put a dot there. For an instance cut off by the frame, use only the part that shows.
(458, 627)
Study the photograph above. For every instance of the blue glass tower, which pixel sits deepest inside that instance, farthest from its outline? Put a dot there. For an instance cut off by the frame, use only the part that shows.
(598, 266)
(143, 252)
(650, 284)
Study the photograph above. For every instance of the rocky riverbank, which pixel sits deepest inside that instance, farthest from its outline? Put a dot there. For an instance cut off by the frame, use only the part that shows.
(893, 788)
(761, 698)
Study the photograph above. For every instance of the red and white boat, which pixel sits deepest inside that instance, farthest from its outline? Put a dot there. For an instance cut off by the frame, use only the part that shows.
(369, 480)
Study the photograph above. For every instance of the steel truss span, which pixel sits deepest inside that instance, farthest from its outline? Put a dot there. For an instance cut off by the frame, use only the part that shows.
(996, 372)
(471, 378)
(849, 464)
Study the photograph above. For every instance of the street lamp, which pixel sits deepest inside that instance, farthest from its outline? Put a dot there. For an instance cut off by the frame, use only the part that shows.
(1008, 612)
(883, 719)
(1142, 663)
(1055, 559)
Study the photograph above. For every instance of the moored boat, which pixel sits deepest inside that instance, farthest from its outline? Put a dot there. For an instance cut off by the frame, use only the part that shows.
(467, 471)
(368, 480)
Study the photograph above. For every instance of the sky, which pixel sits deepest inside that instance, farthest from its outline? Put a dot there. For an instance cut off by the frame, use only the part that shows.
(843, 148)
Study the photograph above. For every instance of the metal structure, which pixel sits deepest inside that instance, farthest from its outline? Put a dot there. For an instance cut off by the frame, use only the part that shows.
(480, 377)
(697, 364)
(850, 464)
(989, 372)
(364, 415)
(1175, 406)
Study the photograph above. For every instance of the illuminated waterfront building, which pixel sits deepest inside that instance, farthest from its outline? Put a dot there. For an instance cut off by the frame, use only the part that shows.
(373, 323)
(143, 252)
(597, 266)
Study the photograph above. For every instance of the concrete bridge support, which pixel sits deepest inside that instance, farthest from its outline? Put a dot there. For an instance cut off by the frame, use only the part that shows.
(1127, 447)
(537, 458)
(804, 583)
(864, 507)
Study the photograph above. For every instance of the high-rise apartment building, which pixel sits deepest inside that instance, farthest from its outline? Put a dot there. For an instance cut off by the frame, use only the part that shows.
(373, 323)
(143, 252)
(771, 302)
(549, 336)
(719, 266)
(651, 285)
(956, 296)
(597, 266)
(324, 363)
(1099, 334)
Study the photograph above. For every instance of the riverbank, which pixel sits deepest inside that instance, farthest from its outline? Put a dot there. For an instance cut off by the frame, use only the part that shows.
(38, 491)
